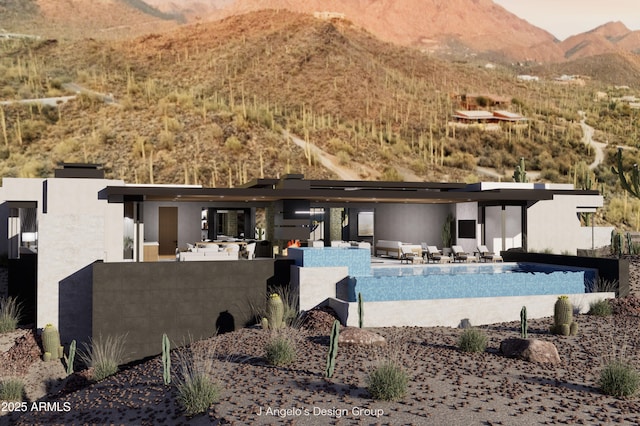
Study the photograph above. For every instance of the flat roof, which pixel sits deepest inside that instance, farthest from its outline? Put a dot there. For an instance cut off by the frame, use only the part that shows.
(327, 191)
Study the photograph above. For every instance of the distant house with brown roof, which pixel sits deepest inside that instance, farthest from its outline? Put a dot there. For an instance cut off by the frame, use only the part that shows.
(480, 116)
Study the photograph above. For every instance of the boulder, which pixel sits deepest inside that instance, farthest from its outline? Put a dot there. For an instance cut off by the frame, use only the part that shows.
(532, 350)
(359, 336)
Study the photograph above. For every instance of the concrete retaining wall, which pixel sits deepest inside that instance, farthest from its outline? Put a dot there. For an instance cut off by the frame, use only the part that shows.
(450, 312)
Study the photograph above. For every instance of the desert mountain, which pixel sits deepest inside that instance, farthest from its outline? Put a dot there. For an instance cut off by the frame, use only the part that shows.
(454, 28)
(451, 26)
(208, 103)
(609, 38)
(76, 19)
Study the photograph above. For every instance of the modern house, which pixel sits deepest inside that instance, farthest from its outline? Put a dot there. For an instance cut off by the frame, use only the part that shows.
(97, 250)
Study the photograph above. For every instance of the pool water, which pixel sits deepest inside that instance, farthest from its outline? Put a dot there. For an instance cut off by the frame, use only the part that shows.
(450, 281)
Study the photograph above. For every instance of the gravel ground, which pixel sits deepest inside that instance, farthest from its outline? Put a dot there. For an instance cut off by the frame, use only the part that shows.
(446, 385)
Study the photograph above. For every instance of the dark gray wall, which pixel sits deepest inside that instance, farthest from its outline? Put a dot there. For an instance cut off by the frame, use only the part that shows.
(608, 269)
(182, 299)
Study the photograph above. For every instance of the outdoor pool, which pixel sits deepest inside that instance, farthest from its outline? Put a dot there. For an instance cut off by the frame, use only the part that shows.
(450, 281)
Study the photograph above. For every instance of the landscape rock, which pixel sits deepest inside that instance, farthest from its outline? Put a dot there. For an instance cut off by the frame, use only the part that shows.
(359, 336)
(319, 320)
(532, 350)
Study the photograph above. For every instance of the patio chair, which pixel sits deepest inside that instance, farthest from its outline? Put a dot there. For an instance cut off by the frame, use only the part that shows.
(251, 251)
(435, 255)
(486, 255)
(406, 254)
(459, 255)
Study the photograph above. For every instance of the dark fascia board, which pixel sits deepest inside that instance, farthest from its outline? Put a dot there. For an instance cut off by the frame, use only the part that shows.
(384, 185)
(407, 195)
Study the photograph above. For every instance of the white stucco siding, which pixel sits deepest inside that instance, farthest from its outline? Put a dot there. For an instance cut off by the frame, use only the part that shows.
(189, 221)
(75, 229)
(554, 225)
(468, 211)
(411, 223)
(512, 228)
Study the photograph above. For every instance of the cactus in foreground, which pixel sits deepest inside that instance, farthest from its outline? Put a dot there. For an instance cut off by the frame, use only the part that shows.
(360, 311)
(523, 322)
(166, 359)
(632, 186)
(563, 323)
(72, 356)
(275, 313)
(51, 342)
(333, 348)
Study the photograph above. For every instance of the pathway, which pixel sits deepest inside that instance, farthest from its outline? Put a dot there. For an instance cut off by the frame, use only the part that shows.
(328, 161)
(587, 138)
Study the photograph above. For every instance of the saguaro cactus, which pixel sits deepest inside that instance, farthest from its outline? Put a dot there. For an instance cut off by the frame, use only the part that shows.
(70, 359)
(632, 186)
(523, 322)
(166, 359)
(563, 322)
(360, 310)
(333, 348)
(520, 174)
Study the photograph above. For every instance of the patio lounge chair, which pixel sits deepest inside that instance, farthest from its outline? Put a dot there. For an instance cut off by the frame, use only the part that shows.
(435, 255)
(406, 254)
(486, 255)
(459, 255)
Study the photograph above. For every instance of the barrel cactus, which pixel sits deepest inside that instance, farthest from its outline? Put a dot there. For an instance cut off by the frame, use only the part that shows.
(563, 322)
(51, 342)
(275, 313)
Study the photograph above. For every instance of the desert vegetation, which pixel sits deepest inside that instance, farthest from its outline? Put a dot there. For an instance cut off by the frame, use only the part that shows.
(208, 104)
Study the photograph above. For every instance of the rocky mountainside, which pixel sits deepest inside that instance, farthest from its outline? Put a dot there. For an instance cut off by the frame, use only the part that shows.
(453, 28)
(613, 37)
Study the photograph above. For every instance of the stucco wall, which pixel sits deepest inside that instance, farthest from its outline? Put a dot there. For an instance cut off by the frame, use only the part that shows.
(410, 223)
(189, 222)
(186, 300)
(468, 211)
(75, 229)
(554, 225)
(493, 228)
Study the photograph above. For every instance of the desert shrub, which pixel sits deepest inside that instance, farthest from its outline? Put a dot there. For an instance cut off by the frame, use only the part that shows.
(280, 350)
(600, 308)
(461, 160)
(391, 174)
(32, 130)
(619, 378)
(166, 140)
(11, 390)
(196, 390)
(343, 157)
(104, 355)
(388, 382)
(10, 312)
(473, 340)
(233, 143)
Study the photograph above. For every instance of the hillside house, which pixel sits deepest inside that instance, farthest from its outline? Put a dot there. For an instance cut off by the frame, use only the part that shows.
(93, 255)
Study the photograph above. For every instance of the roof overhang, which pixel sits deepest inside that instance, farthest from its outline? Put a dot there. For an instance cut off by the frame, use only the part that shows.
(337, 192)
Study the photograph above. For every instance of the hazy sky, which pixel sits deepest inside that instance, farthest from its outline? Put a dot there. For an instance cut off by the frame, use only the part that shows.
(564, 18)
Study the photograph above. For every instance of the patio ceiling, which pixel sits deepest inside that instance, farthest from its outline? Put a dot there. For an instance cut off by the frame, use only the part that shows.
(339, 193)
